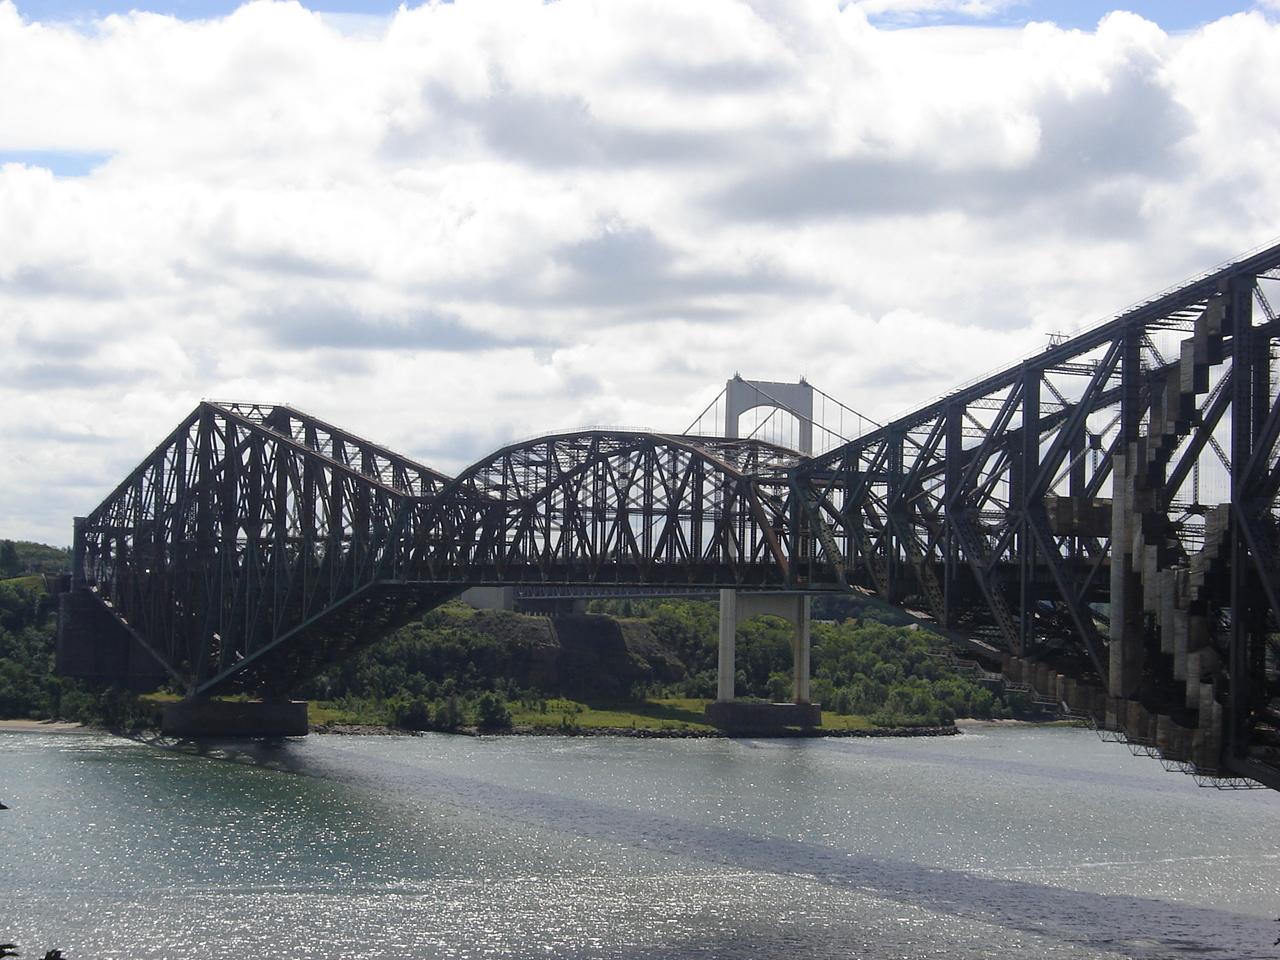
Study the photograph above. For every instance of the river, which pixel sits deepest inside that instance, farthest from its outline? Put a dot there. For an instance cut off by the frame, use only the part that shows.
(1021, 842)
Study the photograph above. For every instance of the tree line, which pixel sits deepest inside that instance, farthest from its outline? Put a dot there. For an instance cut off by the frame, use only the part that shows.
(456, 666)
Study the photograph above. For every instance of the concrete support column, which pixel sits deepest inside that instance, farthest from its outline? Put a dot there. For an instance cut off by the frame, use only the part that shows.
(800, 650)
(728, 636)
(735, 607)
(763, 718)
(77, 552)
(1126, 586)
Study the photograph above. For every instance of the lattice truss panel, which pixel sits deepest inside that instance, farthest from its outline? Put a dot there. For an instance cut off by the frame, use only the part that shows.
(1129, 471)
(364, 457)
(232, 537)
(258, 543)
(614, 507)
(1112, 499)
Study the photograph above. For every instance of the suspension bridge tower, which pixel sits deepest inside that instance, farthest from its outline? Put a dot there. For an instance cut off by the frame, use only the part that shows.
(796, 399)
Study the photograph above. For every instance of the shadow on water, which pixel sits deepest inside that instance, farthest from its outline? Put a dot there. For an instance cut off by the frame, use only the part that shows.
(270, 753)
(1125, 925)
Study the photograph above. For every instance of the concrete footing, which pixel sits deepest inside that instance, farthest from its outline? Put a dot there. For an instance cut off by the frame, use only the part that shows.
(234, 718)
(746, 717)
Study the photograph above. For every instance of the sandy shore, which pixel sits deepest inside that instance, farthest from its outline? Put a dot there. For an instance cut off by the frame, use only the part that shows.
(43, 726)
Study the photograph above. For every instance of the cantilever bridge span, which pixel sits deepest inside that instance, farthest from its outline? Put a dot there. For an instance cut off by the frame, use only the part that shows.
(1101, 518)
(257, 543)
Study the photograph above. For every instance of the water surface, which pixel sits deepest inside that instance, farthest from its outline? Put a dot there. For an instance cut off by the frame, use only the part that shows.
(1018, 843)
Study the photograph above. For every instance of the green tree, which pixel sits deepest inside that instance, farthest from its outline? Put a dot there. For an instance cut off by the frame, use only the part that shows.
(448, 714)
(412, 714)
(492, 712)
(10, 565)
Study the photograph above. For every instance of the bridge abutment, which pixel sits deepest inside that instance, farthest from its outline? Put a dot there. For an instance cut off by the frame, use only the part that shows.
(490, 598)
(1126, 586)
(92, 644)
(195, 719)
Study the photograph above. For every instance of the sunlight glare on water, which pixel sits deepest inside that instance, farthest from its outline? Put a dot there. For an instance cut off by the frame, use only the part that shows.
(1022, 843)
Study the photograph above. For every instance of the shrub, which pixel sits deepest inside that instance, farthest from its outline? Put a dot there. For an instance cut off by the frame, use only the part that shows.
(412, 714)
(448, 715)
(779, 686)
(492, 712)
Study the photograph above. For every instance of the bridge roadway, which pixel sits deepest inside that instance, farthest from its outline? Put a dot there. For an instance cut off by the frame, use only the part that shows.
(1098, 520)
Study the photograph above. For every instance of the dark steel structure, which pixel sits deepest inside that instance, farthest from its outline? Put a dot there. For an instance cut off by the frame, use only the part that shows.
(1100, 519)
(620, 508)
(257, 543)
(1104, 513)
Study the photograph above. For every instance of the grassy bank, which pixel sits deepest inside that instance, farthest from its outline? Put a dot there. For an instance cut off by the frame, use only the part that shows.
(657, 715)
(662, 714)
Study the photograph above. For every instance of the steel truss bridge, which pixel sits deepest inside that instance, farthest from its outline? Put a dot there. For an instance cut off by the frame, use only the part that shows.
(1101, 517)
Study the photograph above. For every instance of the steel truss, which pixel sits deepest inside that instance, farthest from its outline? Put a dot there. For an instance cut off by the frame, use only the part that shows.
(621, 508)
(257, 543)
(233, 538)
(1129, 471)
(1108, 506)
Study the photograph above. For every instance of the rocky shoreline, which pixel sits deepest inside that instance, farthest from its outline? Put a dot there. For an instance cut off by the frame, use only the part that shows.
(355, 729)
(376, 730)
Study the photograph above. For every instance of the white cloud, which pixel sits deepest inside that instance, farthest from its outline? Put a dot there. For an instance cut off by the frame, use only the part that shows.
(480, 220)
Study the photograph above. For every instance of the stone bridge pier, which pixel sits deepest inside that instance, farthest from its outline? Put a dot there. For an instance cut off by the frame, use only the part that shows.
(736, 716)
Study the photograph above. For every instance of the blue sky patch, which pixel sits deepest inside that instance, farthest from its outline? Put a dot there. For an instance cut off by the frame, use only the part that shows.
(1172, 15)
(61, 163)
(82, 10)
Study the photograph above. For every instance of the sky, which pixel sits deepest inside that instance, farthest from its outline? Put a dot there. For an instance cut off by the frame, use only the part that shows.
(448, 226)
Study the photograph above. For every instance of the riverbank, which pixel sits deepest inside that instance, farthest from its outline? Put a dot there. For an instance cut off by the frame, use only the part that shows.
(44, 726)
(687, 732)
(640, 733)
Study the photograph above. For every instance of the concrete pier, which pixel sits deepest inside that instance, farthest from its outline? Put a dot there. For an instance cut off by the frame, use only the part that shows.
(193, 719)
(732, 716)
(727, 663)
(762, 719)
(736, 607)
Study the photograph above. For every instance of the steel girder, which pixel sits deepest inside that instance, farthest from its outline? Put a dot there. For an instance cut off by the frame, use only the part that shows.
(257, 543)
(1111, 501)
(604, 507)
(1086, 480)
(232, 538)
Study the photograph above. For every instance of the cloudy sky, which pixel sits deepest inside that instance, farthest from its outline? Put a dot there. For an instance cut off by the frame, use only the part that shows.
(455, 224)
